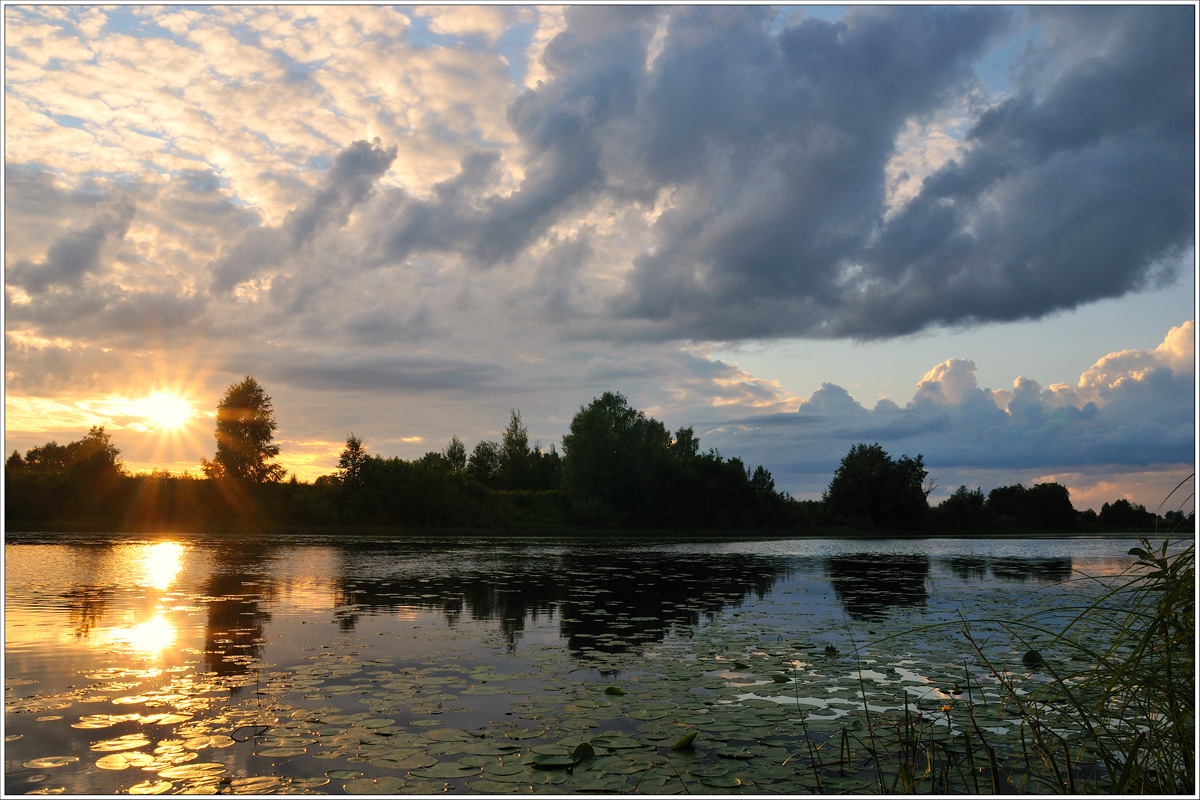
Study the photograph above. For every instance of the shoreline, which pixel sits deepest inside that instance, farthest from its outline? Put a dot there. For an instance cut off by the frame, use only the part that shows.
(50, 535)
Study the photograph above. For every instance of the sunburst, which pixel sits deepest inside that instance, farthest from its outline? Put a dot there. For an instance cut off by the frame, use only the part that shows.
(165, 410)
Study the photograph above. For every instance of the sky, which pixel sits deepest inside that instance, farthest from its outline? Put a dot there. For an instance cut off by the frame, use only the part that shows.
(965, 232)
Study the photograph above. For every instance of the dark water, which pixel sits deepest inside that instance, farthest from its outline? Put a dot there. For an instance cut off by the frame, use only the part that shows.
(427, 665)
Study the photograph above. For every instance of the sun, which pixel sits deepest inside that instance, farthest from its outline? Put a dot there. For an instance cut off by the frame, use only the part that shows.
(166, 411)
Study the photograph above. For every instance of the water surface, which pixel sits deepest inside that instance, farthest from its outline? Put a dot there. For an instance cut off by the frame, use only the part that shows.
(342, 664)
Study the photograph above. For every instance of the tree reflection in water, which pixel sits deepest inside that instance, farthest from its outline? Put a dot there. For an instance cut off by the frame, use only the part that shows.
(605, 600)
(236, 590)
(86, 605)
(869, 584)
(1047, 570)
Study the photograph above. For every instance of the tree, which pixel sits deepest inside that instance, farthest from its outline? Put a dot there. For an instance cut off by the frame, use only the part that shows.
(963, 510)
(1045, 505)
(870, 487)
(1122, 514)
(762, 483)
(456, 455)
(514, 454)
(484, 465)
(244, 430)
(351, 462)
(94, 456)
(611, 458)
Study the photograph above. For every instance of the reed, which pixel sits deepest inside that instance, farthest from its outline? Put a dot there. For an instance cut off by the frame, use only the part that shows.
(1125, 723)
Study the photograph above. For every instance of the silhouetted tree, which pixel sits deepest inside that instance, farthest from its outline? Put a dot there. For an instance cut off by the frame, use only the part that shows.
(1050, 506)
(963, 510)
(85, 477)
(456, 454)
(762, 483)
(515, 456)
(611, 457)
(546, 469)
(685, 446)
(1124, 514)
(1044, 506)
(869, 487)
(351, 461)
(484, 465)
(244, 430)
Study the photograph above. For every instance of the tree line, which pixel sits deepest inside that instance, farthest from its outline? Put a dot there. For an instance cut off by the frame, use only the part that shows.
(618, 469)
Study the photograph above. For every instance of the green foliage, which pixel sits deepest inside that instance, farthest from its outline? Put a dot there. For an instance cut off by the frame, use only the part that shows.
(964, 510)
(1127, 722)
(350, 462)
(244, 430)
(1124, 515)
(872, 489)
(84, 477)
(515, 455)
(611, 454)
(622, 468)
(1045, 506)
(484, 465)
(456, 454)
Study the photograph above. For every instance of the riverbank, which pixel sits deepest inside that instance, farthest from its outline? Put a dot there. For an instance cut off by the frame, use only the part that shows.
(68, 532)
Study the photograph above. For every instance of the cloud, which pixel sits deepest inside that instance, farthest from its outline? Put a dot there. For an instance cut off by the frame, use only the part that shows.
(1132, 411)
(775, 177)
(347, 184)
(487, 22)
(547, 203)
(78, 252)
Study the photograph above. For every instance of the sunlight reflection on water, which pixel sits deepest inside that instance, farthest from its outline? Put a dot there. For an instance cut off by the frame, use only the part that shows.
(147, 638)
(200, 639)
(160, 563)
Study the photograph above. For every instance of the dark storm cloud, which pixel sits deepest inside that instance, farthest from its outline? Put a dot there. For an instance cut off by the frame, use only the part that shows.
(774, 149)
(348, 183)
(1070, 191)
(598, 64)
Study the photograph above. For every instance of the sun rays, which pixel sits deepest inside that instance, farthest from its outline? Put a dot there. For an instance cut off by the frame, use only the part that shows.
(165, 411)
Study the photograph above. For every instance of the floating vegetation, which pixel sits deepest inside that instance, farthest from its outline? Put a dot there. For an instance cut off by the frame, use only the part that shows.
(49, 762)
(602, 696)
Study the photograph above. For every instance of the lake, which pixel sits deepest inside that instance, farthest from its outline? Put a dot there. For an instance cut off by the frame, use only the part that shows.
(325, 664)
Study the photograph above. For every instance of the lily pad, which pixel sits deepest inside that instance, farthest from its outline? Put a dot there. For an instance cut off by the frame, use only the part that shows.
(403, 761)
(131, 741)
(383, 785)
(151, 787)
(280, 752)
(202, 769)
(448, 735)
(647, 714)
(686, 742)
(50, 762)
(447, 769)
(254, 785)
(201, 742)
(117, 761)
(616, 742)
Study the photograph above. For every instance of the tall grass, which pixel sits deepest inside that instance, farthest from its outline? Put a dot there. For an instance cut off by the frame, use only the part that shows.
(1127, 722)
(1116, 717)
